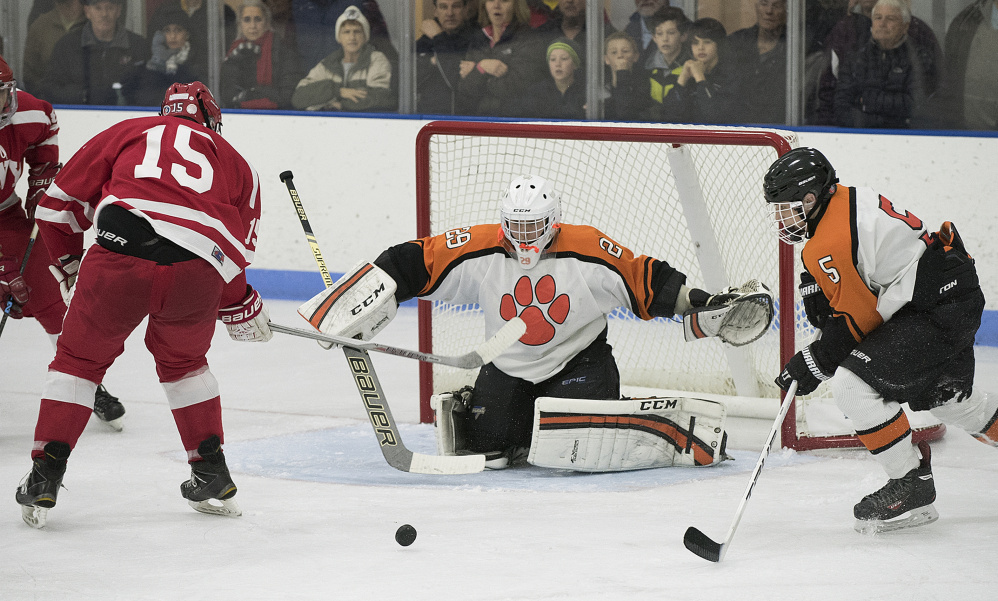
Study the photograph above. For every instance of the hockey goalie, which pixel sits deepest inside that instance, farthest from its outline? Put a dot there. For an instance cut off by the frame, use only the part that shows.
(553, 397)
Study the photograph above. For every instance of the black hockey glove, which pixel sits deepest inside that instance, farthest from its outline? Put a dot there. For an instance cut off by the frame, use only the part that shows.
(816, 305)
(945, 271)
(804, 368)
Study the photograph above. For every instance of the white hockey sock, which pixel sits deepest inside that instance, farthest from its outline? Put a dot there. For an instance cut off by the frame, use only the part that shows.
(867, 410)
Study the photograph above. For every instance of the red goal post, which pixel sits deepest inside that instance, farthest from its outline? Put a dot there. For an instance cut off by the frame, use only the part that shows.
(688, 195)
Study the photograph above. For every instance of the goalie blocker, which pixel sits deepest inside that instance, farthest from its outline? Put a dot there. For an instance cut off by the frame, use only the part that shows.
(603, 435)
(358, 305)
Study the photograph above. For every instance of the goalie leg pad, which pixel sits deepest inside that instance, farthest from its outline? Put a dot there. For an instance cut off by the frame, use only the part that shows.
(450, 420)
(358, 305)
(607, 436)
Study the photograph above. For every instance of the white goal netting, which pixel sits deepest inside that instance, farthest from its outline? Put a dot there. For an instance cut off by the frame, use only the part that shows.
(687, 195)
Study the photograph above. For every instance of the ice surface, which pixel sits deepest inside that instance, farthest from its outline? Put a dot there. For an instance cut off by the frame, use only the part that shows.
(320, 505)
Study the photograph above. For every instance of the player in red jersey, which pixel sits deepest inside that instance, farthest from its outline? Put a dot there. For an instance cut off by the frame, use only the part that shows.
(29, 134)
(175, 209)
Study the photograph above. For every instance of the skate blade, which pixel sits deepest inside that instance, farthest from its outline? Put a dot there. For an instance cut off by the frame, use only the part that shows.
(34, 516)
(115, 424)
(227, 507)
(918, 517)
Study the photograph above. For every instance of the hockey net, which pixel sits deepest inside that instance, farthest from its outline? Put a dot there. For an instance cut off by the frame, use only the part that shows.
(688, 195)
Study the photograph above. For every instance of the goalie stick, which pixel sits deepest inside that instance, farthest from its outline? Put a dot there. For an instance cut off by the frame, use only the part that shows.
(485, 353)
(24, 263)
(701, 544)
(375, 403)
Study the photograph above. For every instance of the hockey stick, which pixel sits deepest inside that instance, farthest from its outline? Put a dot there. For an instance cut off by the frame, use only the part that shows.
(380, 415)
(24, 263)
(485, 353)
(287, 178)
(703, 545)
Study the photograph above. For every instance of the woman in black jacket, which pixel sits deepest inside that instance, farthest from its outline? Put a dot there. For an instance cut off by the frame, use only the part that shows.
(260, 71)
(505, 58)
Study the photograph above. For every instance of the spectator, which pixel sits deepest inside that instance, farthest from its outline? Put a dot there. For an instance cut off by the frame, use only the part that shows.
(439, 53)
(42, 36)
(569, 21)
(354, 78)
(260, 70)
(705, 91)
(197, 12)
(850, 35)
(315, 28)
(625, 84)
(542, 12)
(883, 83)
(504, 60)
(173, 59)
(759, 56)
(671, 51)
(90, 63)
(638, 27)
(971, 69)
(562, 95)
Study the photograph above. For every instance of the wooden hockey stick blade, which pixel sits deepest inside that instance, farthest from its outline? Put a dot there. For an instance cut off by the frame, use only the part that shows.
(485, 352)
(380, 415)
(700, 543)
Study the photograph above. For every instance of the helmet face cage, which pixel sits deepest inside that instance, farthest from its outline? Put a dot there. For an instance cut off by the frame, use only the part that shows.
(790, 179)
(8, 93)
(193, 101)
(790, 221)
(530, 214)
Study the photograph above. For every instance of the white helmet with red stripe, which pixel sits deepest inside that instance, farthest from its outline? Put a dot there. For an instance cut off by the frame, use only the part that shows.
(8, 95)
(192, 101)
(531, 213)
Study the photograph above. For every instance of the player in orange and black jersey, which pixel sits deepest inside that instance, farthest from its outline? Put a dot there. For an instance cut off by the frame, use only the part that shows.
(898, 308)
(562, 280)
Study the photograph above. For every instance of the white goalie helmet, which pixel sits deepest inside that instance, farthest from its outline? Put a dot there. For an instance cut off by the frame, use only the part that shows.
(531, 214)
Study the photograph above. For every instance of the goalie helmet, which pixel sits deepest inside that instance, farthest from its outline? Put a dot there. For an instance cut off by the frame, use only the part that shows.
(192, 101)
(8, 94)
(790, 179)
(530, 214)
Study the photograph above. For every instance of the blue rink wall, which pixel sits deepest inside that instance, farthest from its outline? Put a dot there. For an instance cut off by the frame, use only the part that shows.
(303, 285)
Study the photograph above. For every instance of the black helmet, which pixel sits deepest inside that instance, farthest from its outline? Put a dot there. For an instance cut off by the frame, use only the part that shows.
(796, 174)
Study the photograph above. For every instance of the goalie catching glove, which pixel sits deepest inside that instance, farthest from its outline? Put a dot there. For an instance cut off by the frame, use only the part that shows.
(737, 316)
(358, 305)
(247, 320)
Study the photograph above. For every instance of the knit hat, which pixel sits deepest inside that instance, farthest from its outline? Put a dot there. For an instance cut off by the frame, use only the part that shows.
(568, 46)
(352, 13)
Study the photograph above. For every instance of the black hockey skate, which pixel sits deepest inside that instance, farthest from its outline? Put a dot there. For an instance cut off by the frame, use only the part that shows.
(107, 408)
(903, 502)
(40, 488)
(210, 489)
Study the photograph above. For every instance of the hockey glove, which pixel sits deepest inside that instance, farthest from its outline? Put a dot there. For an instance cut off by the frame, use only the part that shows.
(804, 368)
(816, 305)
(39, 179)
(13, 289)
(247, 320)
(945, 271)
(65, 273)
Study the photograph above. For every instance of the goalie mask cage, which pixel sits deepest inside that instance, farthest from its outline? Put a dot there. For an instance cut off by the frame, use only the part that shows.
(687, 195)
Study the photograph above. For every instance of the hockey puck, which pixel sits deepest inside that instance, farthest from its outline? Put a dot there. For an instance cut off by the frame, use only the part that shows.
(405, 535)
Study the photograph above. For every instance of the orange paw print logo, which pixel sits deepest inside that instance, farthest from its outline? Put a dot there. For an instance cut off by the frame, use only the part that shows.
(540, 330)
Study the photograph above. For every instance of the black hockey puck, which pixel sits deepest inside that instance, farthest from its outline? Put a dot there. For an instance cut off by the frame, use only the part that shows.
(405, 535)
